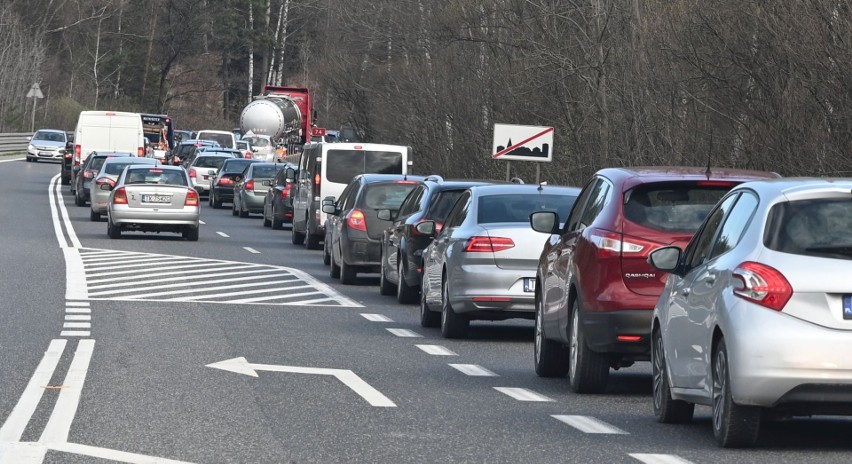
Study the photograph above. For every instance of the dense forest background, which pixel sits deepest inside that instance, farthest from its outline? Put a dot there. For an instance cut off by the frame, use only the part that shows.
(757, 84)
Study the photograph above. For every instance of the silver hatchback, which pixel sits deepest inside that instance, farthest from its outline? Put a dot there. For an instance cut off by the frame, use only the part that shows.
(756, 315)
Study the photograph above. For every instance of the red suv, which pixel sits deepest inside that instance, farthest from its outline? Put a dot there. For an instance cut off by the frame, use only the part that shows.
(595, 291)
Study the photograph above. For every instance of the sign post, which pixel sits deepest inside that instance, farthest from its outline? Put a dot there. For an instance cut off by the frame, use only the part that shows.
(523, 143)
(35, 94)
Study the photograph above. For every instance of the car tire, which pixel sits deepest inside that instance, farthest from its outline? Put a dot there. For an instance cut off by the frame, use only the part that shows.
(385, 287)
(588, 370)
(666, 409)
(266, 222)
(66, 181)
(113, 231)
(217, 202)
(428, 318)
(405, 294)
(550, 356)
(277, 224)
(94, 216)
(191, 234)
(297, 238)
(312, 242)
(333, 269)
(326, 253)
(78, 199)
(29, 159)
(348, 274)
(453, 325)
(734, 426)
(243, 213)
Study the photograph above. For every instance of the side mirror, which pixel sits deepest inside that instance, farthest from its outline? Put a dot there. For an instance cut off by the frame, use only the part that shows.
(328, 201)
(329, 209)
(76, 169)
(426, 228)
(666, 259)
(546, 222)
(385, 214)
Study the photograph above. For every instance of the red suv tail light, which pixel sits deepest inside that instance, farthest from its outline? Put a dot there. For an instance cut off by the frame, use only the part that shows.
(285, 192)
(140, 151)
(478, 244)
(248, 155)
(120, 197)
(355, 220)
(611, 244)
(78, 150)
(191, 198)
(763, 285)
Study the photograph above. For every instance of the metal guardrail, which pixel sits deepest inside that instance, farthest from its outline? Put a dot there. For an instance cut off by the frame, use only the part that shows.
(10, 143)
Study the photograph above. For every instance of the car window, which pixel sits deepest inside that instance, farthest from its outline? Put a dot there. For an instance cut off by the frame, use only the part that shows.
(344, 202)
(265, 172)
(598, 199)
(386, 195)
(735, 224)
(343, 165)
(155, 176)
(700, 246)
(580, 205)
(411, 203)
(232, 167)
(816, 227)
(672, 206)
(114, 169)
(441, 205)
(518, 207)
(459, 211)
(225, 140)
(213, 162)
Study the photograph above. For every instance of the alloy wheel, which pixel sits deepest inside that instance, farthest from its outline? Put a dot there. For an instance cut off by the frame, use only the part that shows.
(720, 376)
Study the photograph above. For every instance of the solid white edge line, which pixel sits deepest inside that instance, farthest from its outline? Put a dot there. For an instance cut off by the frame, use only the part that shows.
(659, 458)
(78, 303)
(69, 228)
(523, 394)
(223, 234)
(59, 424)
(588, 424)
(54, 212)
(76, 287)
(13, 159)
(473, 370)
(436, 350)
(251, 250)
(18, 419)
(376, 317)
(405, 333)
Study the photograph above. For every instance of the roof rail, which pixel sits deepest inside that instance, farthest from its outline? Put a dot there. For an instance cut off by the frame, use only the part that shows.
(434, 178)
(517, 180)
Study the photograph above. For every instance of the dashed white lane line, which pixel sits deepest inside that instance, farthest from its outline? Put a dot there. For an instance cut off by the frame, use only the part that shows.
(75, 333)
(522, 394)
(78, 317)
(436, 350)
(223, 234)
(202, 223)
(18, 419)
(376, 317)
(659, 458)
(588, 424)
(65, 409)
(251, 250)
(404, 333)
(473, 370)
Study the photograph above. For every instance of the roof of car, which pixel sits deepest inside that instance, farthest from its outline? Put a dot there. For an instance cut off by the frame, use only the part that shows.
(496, 189)
(110, 154)
(161, 166)
(629, 177)
(370, 178)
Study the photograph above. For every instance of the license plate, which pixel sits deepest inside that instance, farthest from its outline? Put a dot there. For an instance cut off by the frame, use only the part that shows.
(847, 307)
(45, 153)
(529, 284)
(156, 198)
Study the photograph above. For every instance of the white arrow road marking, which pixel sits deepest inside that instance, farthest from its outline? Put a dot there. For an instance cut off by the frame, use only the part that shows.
(588, 424)
(522, 394)
(59, 424)
(436, 350)
(376, 317)
(659, 458)
(349, 378)
(473, 370)
(17, 421)
(404, 333)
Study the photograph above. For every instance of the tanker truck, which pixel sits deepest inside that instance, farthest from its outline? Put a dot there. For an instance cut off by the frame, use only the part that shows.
(282, 113)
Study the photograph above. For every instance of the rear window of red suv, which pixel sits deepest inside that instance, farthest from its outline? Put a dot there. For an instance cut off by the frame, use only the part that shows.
(676, 207)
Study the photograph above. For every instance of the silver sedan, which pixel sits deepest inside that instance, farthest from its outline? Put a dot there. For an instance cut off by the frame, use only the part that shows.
(483, 262)
(756, 316)
(154, 199)
(104, 182)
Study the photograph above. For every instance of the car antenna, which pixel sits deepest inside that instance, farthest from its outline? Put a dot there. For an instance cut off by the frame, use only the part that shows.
(708, 172)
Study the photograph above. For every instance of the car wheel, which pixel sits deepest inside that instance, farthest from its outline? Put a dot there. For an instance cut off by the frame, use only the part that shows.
(277, 224)
(452, 325)
(78, 199)
(312, 242)
(297, 238)
(35, 160)
(550, 356)
(385, 287)
(266, 222)
(348, 274)
(191, 234)
(210, 199)
(334, 269)
(234, 208)
(66, 181)
(94, 216)
(326, 253)
(29, 159)
(215, 200)
(113, 231)
(405, 294)
(734, 426)
(588, 371)
(666, 409)
(243, 212)
(428, 318)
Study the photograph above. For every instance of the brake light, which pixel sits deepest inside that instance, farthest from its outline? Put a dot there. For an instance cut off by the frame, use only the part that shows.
(611, 244)
(140, 151)
(191, 198)
(405, 182)
(629, 338)
(763, 285)
(285, 192)
(119, 197)
(480, 244)
(192, 173)
(250, 185)
(226, 181)
(78, 150)
(248, 155)
(105, 181)
(355, 220)
(317, 180)
(89, 174)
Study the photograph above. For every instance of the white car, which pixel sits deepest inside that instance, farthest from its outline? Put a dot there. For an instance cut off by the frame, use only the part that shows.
(46, 144)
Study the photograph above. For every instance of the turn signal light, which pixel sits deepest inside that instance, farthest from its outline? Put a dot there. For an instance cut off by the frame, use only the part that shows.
(119, 197)
(355, 220)
(762, 284)
(480, 244)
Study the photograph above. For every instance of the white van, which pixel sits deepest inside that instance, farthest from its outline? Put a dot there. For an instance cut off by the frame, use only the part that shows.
(225, 139)
(106, 131)
(324, 171)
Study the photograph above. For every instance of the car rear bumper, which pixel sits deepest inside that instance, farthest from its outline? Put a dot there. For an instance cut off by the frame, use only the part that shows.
(253, 203)
(479, 288)
(362, 252)
(603, 329)
(122, 215)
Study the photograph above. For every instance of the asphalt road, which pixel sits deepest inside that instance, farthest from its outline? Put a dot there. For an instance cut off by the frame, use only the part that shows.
(131, 381)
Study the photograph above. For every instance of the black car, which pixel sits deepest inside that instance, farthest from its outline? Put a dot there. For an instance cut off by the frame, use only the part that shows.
(353, 230)
(186, 150)
(222, 187)
(87, 173)
(403, 245)
(278, 203)
(67, 161)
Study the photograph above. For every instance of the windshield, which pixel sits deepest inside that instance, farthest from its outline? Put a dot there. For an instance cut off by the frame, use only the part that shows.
(343, 165)
(48, 136)
(517, 207)
(266, 172)
(257, 141)
(442, 205)
(115, 168)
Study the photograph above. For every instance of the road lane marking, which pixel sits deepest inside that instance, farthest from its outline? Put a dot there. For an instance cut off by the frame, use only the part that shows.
(75, 275)
(78, 310)
(522, 394)
(278, 297)
(436, 350)
(77, 303)
(659, 458)
(109, 454)
(202, 223)
(133, 280)
(588, 424)
(404, 333)
(77, 325)
(376, 317)
(17, 421)
(251, 250)
(65, 409)
(13, 159)
(56, 201)
(207, 289)
(473, 370)
(223, 234)
(75, 333)
(78, 317)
